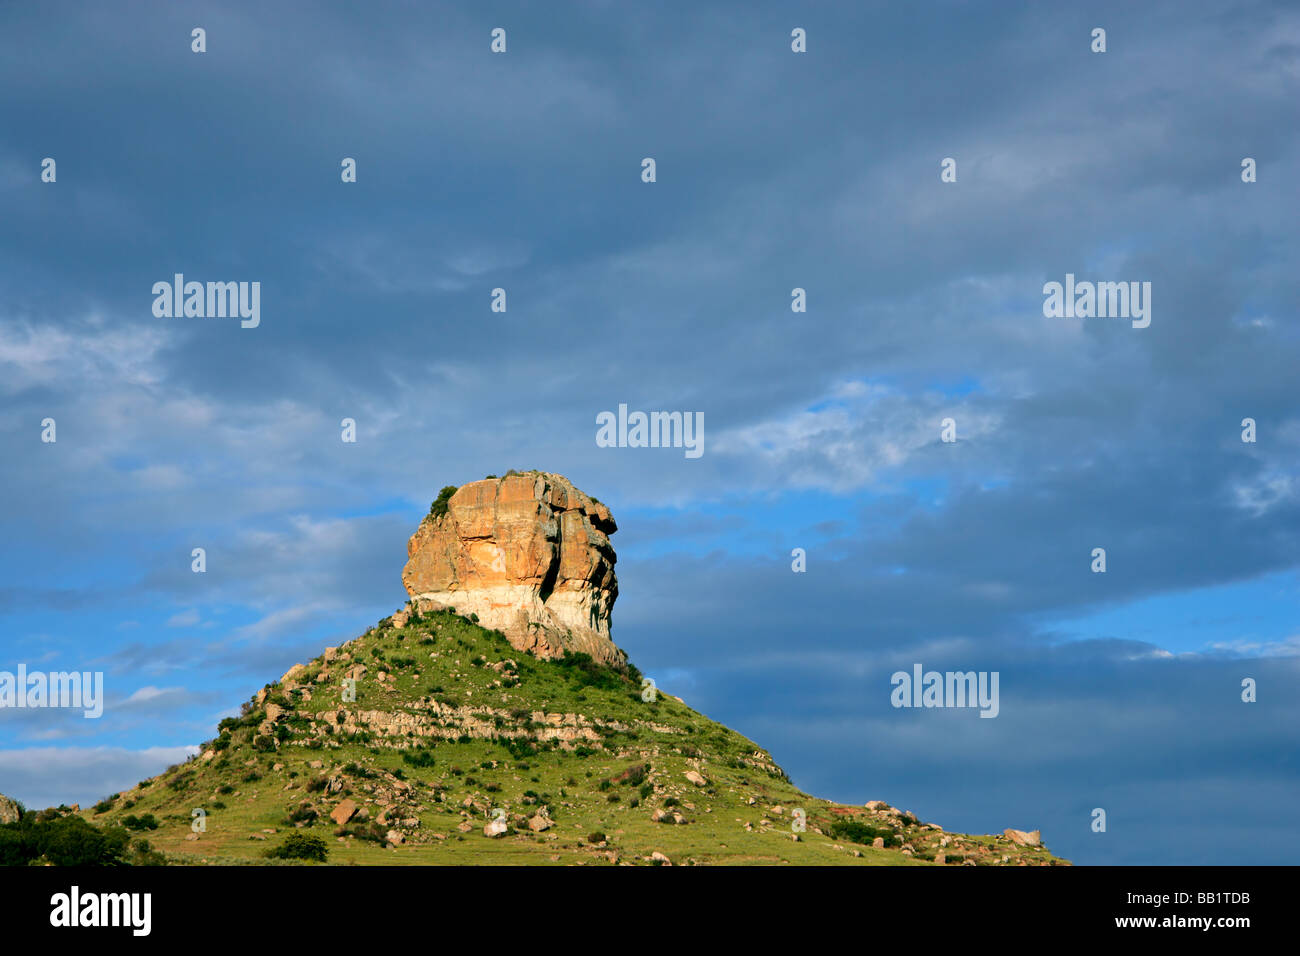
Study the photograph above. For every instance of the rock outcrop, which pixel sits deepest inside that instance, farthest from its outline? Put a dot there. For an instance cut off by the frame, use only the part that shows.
(8, 810)
(530, 555)
(1024, 837)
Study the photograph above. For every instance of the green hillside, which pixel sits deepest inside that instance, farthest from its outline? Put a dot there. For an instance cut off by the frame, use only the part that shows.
(452, 727)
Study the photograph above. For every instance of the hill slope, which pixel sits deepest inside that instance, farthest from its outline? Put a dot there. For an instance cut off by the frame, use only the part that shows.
(453, 727)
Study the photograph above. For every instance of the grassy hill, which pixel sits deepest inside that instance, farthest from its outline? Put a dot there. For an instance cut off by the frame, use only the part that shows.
(452, 727)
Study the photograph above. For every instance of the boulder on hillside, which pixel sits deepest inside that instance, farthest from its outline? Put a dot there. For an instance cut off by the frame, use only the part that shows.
(1024, 838)
(344, 811)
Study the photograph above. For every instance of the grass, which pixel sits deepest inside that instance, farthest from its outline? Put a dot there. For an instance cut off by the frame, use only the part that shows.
(464, 725)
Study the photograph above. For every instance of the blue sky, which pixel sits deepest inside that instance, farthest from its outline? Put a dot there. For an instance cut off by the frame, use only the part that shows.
(775, 170)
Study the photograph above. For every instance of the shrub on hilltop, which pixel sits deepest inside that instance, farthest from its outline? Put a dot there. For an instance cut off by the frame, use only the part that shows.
(439, 506)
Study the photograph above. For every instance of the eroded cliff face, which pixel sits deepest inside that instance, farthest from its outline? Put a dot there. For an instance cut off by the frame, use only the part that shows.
(530, 555)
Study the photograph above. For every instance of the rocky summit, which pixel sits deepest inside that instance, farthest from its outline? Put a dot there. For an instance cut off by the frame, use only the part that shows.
(528, 555)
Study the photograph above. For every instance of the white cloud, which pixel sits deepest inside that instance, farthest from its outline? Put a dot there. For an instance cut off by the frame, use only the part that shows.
(48, 776)
(1264, 493)
(184, 619)
(849, 440)
(1287, 647)
(152, 695)
(101, 352)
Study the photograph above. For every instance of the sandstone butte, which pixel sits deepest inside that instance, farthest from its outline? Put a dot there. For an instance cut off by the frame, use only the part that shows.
(530, 555)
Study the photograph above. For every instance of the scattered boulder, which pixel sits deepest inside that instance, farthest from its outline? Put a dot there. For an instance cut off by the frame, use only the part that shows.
(696, 778)
(297, 670)
(1023, 837)
(344, 811)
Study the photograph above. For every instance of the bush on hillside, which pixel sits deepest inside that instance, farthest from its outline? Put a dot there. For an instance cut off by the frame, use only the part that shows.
(300, 846)
(588, 673)
(855, 831)
(61, 840)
